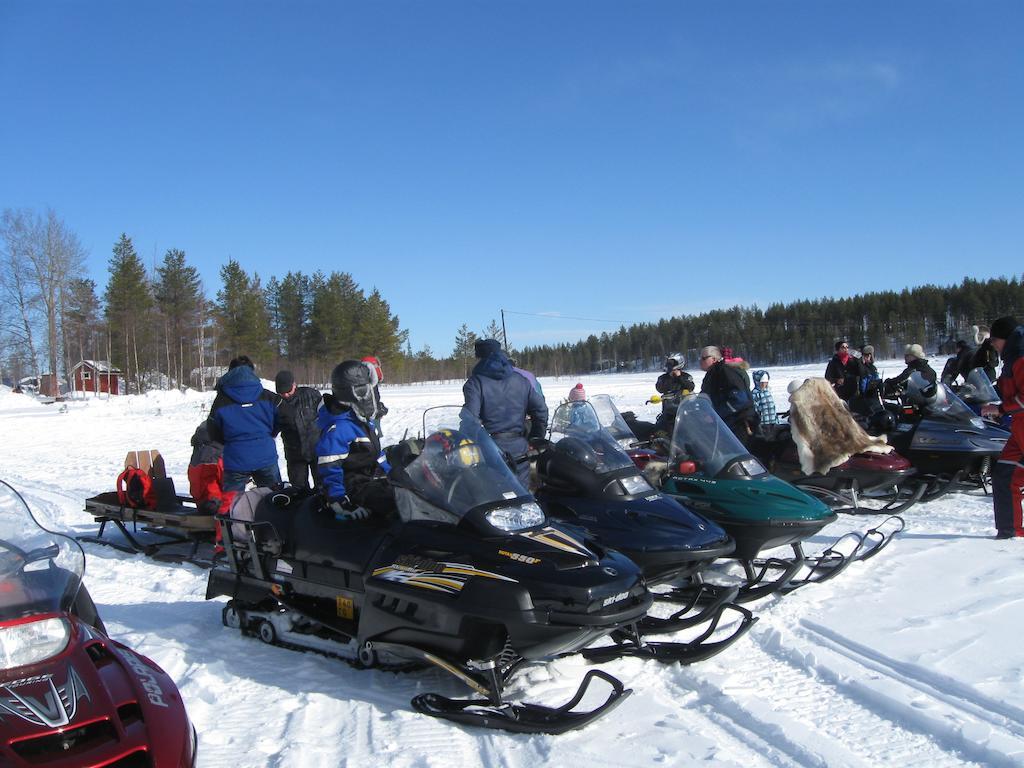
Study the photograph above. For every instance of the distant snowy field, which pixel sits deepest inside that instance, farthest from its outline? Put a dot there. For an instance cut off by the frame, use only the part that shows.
(911, 659)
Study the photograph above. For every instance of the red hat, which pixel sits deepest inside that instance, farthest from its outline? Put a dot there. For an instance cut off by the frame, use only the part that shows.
(577, 393)
(376, 366)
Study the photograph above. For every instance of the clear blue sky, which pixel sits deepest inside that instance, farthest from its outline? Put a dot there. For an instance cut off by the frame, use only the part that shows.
(609, 160)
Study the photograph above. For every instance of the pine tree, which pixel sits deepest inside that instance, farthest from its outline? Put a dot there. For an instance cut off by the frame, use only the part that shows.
(178, 293)
(242, 314)
(80, 319)
(128, 303)
(334, 317)
(379, 332)
(290, 306)
(465, 340)
(493, 331)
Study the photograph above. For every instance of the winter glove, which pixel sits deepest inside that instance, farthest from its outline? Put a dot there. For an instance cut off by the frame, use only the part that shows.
(345, 509)
(539, 443)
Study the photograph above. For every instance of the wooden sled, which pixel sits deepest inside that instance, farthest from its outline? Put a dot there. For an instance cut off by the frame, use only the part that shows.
(174, 522)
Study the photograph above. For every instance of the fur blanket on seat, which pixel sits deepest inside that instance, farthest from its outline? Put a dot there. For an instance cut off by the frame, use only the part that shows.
(824, 431)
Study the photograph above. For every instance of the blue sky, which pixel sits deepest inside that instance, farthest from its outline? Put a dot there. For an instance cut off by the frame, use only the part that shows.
(605, 160)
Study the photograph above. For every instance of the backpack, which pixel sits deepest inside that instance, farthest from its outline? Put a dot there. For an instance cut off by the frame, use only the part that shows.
(135, 489)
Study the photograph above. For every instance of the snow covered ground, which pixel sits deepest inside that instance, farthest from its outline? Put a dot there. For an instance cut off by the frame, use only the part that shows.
(912, 658)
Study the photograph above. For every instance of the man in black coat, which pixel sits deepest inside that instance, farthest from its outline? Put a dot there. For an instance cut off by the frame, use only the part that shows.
(299, 431)
(727, 388)
(672, 384)
(502, 399)
(916, 362)
(843, 372)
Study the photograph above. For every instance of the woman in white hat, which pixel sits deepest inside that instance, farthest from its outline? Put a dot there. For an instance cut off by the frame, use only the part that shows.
(916, 362)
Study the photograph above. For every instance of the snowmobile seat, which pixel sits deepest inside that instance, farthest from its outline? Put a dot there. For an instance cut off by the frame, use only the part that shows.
(317, 537)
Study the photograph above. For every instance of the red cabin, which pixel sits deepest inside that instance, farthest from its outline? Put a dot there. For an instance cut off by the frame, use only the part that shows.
(95, 376)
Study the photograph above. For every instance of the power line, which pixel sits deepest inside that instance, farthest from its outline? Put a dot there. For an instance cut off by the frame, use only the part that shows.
(567, 317)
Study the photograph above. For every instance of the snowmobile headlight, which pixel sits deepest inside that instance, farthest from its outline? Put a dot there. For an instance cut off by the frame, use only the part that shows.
(32, 641)
(527, 515)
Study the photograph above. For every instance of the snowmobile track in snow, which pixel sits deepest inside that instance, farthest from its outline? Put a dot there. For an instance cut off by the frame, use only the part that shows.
(773, 696)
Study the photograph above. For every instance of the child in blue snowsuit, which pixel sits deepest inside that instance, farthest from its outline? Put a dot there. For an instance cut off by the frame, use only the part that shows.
(350, 460)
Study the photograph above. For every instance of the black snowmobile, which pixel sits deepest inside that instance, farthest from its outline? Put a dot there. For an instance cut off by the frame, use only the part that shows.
(588, 481)
(950, 446)
(470, 577)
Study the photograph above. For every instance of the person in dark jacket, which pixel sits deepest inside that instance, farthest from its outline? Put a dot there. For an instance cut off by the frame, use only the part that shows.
(296, 417)
(868, 377)
(959, 364)
(672, 385)
(916, 362)
(244, 418)
(1007, 338)
(986, 356)
(502, 399)
(843, 371)
(727, 388)
(353, 468)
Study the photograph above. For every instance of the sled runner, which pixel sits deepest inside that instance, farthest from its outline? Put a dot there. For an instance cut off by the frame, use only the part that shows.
(170, 520)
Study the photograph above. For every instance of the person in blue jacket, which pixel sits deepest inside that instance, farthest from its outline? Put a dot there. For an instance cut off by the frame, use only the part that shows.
(243, 418)
(353, 468)
(502, 399)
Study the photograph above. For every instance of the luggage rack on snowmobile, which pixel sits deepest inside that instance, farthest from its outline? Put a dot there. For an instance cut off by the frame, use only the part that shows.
(176, 521)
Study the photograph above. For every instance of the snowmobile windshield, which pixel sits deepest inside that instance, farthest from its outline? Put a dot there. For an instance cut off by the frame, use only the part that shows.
(978, 389)
(40, 571)
(460, 469)
(702, 437)
(612, 420)
(944, 405)
(595, 447)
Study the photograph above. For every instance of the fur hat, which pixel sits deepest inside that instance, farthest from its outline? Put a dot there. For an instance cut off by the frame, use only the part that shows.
(577, 393)
(867, 349)
(486, 348)
(1002, 327)
(284, 382)
(914, 350)
(794, 385)
(372, 362)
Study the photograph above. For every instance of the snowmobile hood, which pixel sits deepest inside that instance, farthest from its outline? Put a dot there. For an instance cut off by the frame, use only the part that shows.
(241, 384)
(655, 523)
(96, 703)
(495, 366)
(758, 499)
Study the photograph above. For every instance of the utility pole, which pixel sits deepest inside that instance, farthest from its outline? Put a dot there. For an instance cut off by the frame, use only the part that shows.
(504, 333)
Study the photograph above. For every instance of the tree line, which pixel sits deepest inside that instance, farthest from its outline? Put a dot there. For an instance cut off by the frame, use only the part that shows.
(161, 330)
(802, 331)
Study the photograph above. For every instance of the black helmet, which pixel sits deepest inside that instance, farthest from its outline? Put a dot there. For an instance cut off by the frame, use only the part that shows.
(881, 422)
(351, 385)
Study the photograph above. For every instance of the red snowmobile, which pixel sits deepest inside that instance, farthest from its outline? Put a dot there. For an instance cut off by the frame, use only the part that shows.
(70, 697)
